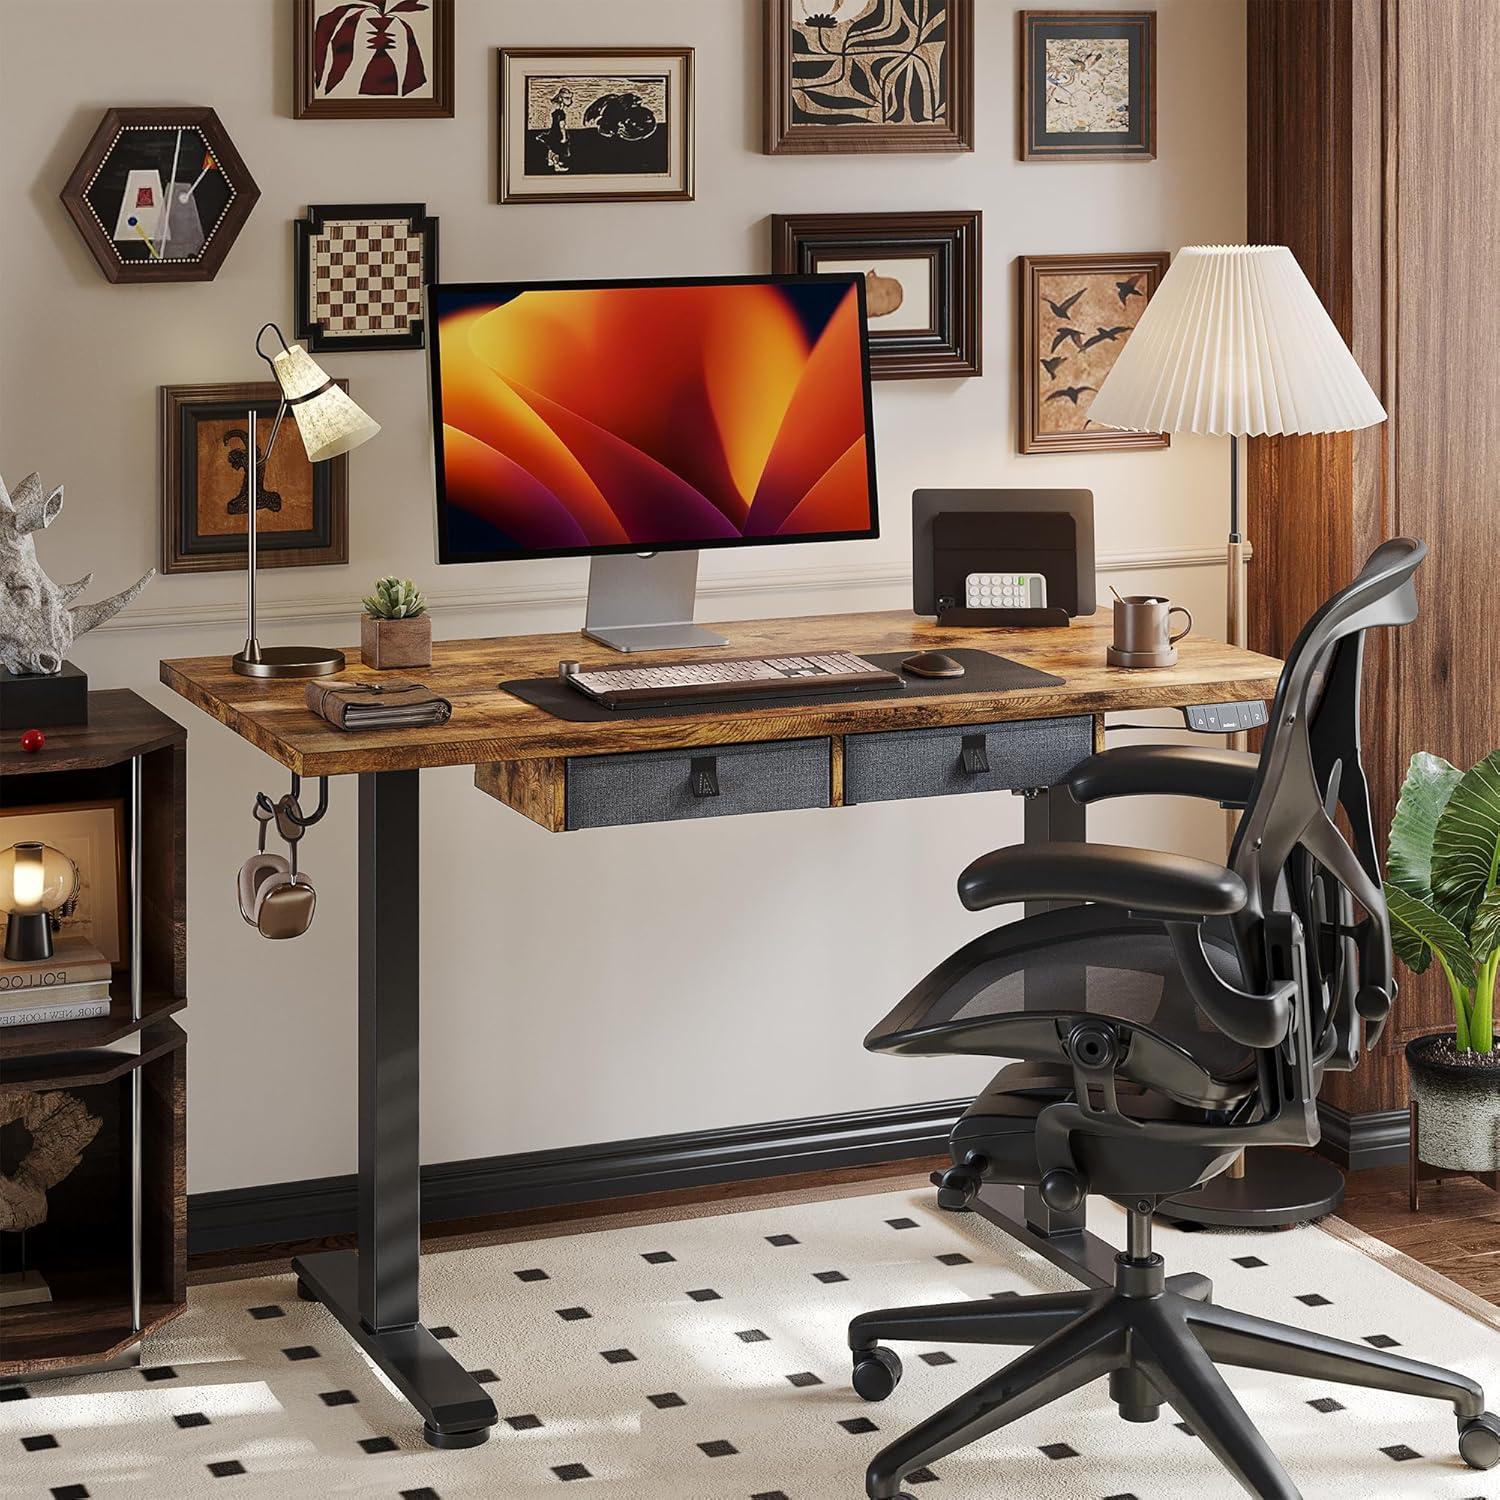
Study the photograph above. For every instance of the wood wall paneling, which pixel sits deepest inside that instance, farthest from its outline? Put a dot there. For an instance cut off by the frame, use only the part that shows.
(1372, 124)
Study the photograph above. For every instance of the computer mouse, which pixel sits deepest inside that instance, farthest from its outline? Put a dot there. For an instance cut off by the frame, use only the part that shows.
(932, 664)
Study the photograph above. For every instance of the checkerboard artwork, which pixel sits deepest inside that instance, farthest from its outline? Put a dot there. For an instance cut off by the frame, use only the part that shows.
(367, 277)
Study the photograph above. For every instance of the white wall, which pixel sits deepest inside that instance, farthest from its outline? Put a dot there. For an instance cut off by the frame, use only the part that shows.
(607, 984)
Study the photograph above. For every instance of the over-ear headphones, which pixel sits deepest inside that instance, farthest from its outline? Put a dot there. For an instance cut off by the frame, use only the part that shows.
(275, 897)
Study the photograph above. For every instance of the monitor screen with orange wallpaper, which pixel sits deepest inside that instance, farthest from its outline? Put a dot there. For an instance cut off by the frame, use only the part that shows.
(589, 418)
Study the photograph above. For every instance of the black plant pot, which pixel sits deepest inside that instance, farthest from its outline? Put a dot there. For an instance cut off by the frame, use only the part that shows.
(1458, 1105)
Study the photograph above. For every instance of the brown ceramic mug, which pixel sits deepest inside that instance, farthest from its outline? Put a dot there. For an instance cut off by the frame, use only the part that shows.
(1142, 625)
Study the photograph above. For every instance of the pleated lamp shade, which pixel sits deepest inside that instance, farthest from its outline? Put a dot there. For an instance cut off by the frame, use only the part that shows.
(330, 420)
(1235, 342)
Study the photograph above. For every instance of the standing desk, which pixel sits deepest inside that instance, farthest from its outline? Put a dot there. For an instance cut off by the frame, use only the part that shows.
(571, 775)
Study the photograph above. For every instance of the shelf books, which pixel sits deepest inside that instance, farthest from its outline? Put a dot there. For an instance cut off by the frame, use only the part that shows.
(72, 985)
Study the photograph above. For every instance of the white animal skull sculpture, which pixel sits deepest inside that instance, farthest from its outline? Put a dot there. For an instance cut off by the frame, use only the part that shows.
(38, 619)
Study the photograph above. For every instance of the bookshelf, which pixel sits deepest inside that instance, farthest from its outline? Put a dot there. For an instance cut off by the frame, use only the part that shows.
(113, 1247)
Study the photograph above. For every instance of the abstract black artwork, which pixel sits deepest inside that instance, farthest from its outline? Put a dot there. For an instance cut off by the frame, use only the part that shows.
(869, 75)
(595, 125)
(160, 194)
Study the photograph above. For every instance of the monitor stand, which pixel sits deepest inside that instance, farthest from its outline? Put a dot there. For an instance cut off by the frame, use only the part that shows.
(645, 602)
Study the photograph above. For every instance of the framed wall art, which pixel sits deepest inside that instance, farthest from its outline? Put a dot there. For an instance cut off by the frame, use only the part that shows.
(853, 76)
(1088, 85)
(596, 124)
(1077, 313)
(303, 509)
(92, 835)
(358, 274)
(160, 195)
(922, 282)
(372, 59)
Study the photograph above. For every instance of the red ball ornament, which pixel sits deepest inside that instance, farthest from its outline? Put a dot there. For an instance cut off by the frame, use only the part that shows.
(33, 740)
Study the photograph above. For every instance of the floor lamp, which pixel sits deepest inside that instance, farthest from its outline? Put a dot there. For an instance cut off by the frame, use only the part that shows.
(1235, 342)
(331, 423)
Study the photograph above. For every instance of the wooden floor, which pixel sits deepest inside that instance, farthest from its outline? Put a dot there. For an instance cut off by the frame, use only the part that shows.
(1457, 1232)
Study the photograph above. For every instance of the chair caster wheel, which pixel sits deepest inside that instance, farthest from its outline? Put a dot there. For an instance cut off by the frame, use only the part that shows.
(877, 1372)
(303, 1292)
(1479, 1441)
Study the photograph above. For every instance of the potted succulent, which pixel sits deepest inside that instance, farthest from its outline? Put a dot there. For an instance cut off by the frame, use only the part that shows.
(395, 629)
(1443, 893)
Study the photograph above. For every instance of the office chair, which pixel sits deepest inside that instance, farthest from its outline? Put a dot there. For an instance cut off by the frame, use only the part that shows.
(1180, 1012)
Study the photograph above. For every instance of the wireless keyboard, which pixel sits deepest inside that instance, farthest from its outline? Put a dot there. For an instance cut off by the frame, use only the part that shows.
(746, 677)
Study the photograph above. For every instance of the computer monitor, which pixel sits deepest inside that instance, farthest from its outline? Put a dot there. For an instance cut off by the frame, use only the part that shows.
(609, 419)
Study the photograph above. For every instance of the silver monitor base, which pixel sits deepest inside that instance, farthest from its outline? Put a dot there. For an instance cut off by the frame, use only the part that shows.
(645, 603)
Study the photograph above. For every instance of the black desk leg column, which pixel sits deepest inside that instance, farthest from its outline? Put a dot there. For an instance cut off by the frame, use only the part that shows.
(1052, 816)
(374, 1292)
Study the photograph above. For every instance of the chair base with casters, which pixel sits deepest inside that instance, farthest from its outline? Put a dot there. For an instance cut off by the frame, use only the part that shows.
(1159, 1340)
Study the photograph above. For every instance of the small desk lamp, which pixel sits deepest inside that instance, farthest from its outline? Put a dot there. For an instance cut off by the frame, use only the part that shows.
(331, 423)
(35, 880)
(1236, 342)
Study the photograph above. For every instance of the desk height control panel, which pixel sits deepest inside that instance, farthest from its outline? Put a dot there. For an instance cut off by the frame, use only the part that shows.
(1226, 718)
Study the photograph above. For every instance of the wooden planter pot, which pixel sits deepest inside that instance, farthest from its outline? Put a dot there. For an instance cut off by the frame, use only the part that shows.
(395, 643)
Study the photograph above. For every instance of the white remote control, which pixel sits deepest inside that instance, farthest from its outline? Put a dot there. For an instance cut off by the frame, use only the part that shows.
(1005, 591)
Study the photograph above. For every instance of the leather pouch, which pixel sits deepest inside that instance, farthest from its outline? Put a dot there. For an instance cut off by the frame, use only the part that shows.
(378, 705)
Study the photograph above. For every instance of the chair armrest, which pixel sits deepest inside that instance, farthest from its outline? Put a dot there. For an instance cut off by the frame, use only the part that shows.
(1164, 771)
(1139, 880)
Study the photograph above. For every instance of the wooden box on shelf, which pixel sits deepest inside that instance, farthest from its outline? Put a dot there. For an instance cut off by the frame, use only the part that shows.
(106, 1288)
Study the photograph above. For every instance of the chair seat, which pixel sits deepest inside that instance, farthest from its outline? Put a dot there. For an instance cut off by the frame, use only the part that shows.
(1017, 992)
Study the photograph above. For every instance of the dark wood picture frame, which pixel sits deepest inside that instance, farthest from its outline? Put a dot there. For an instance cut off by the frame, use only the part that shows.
(783, 136)
(318, 217)
(226, 228)
(185, 548)
(951, 242)
(509, 192)
(1037, 144)
(1151, 266)
(437, 106)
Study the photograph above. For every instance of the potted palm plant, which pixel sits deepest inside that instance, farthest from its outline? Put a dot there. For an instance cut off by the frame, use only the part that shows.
(1443, 894)
(395, 629)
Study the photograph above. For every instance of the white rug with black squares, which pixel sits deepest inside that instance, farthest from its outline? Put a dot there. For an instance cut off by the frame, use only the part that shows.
(705, 1359)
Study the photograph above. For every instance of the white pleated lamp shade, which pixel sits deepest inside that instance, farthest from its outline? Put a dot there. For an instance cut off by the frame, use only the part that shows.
(1236, 342)
(330, 420)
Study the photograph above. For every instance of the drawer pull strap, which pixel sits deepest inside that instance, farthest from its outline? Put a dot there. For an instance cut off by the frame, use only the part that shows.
(976, 761)
(703, 777)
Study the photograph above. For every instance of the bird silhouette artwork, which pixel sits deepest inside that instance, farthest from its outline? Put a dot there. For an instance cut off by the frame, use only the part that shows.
(1063, 335)
(1051, 365)
(1071, 393)
(1064, 310)
(1130, 287)
(1104, 335)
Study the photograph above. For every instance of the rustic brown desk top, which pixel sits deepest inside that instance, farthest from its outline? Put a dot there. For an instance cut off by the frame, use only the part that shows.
(489, 726)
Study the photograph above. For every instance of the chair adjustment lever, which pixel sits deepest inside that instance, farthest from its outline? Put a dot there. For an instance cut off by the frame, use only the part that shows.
(976, 761)
(703, 776)
(960, 1185)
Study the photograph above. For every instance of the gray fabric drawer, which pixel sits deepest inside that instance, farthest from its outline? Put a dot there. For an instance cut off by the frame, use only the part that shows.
(656, 786)
(929, 762)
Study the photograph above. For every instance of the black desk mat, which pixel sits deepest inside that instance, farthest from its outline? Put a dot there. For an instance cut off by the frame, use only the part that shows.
(984, 673)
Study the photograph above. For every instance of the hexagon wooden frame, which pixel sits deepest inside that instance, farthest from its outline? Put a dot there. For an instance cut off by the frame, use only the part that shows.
(245, 196)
